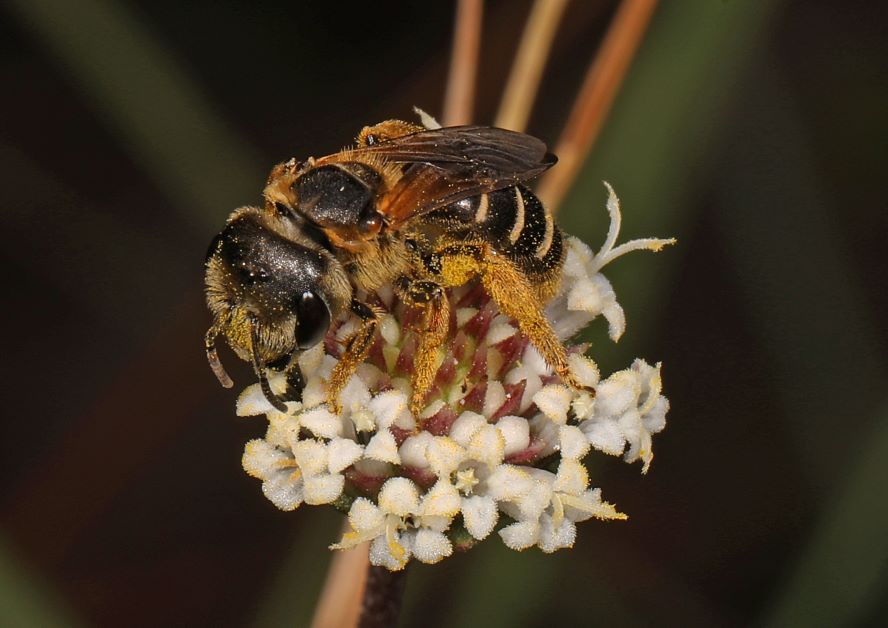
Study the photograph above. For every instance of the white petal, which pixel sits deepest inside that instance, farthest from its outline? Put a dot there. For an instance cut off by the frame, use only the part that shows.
(283, 429)
(386, 407)
(630, 425)
(479, 515)
(311, 456)
(283, 491)
(381, 555)
(617, 393)
(572, 477)
(389, 329)
(465, 427)
(323, 488)
(438, 523)
(499, 331)
(554, 401)
(574, 443)
(426, 119)
(442, 500)
(578, 259)
(604, 435)
(585, 296)
(261, 459)
(355, 395)
(616, 320)
(464, 315)
(342, 453)
(487, 445)
(444, 455)
(539, 497)
(321, 422)
(494, 397)
(554, 537)
(252, 401)
(584, 369)
(583, 405)
(544, 430)
(399, 496)
(520, 535)
(516, 433)
(413, 450)
(432, 409)
(364, 515)
(509, 482)
(310, 360)
(383, 447)
(314, 393)
(655, 420)
(430, 546)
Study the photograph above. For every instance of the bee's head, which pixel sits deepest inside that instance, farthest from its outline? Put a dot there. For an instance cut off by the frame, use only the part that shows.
(270, 295)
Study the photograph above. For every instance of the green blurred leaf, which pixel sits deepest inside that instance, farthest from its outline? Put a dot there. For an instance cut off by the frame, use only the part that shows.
(26, 601)
(842, 575)
(144, 94)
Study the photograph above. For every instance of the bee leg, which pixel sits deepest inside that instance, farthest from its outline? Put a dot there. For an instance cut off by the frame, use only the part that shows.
(356, 348)
(511, 291)
(433, 331)
(259, 368)
(295, 380)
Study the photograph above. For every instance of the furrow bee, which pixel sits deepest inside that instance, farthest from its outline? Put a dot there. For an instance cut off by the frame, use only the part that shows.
(419, 209)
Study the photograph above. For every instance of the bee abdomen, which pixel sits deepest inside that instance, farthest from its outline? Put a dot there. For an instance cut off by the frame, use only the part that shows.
(515, 222)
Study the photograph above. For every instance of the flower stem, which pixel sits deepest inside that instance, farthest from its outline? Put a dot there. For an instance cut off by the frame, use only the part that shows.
(603, 79)
(383, 595)
(459, 98)
(340, 599)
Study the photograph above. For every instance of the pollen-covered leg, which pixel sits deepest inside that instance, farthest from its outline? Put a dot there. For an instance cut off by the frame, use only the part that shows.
(433, 328)
(512, 292)
(356, 348)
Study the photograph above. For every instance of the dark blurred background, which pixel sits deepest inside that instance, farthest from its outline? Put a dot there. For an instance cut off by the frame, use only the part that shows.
(754, 132)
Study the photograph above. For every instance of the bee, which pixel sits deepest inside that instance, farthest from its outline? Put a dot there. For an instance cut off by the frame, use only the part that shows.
(420, 209)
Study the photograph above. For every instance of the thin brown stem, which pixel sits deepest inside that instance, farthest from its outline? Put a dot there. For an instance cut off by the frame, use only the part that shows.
(460, 95)
(339, 605)
(382, 597)
(596, 96)
(533, 51)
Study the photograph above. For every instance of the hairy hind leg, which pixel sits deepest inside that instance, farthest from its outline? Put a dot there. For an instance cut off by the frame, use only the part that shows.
(432, 329)
(511, 291)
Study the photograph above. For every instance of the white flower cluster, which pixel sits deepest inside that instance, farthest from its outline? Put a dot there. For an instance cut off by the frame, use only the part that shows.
(500, 447)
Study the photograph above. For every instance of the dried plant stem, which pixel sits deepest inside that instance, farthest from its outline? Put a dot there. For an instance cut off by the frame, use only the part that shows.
(340, 601)
(533, 51)
(593, 103)
(460, 95)
(382, 597)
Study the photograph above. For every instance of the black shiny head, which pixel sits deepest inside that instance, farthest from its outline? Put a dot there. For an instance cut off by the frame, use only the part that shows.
(277, 281)
(338, 196)
(269, 274)
(267, 287)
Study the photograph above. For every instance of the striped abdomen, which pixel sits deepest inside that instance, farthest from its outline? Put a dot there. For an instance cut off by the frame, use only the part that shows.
(515, 222)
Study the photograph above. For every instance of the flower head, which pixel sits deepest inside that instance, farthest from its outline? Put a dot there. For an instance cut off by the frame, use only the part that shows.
(500, 443)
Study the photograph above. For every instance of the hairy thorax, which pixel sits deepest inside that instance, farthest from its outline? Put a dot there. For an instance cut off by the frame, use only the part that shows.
(382, 260)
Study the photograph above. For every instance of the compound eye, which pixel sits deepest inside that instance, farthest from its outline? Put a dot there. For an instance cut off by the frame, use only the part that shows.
(313, 319)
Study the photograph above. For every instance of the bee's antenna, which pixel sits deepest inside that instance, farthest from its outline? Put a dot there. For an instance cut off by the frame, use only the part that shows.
(213, 358)
(259, 367)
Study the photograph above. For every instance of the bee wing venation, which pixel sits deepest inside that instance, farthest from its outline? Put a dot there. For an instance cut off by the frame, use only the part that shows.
(454, 163)
(486, 150)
